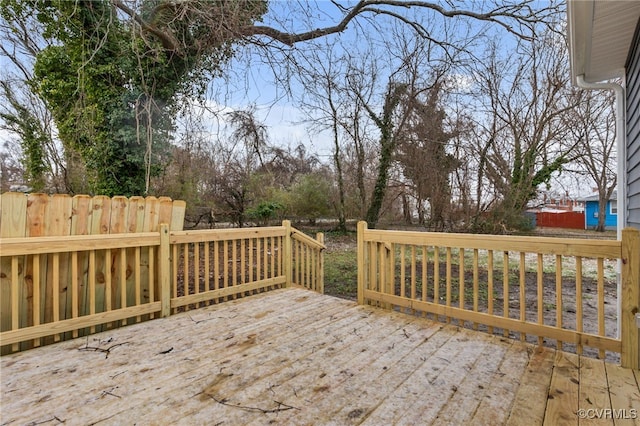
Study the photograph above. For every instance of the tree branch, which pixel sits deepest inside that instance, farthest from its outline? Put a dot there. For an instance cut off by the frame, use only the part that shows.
(499, 15)
(167, 41)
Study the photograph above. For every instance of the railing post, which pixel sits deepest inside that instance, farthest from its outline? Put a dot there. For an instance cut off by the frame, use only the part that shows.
(164, 271)
(630, 299)
(320, 277)
(287, 258)
(362, 227)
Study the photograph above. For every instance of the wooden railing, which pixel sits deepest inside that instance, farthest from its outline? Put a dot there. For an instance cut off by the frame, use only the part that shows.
(519, 286)
(307, 261)
(65, 287)
(213, 266)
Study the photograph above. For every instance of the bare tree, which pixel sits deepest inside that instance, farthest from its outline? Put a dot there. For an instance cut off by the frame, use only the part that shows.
(424, 157)
(523, 136)
(324, 101)
(593, 125)
(166, 20)
(24, 114)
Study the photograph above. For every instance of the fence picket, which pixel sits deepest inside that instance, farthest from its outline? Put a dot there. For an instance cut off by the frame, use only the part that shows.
(36, 211)
(81, 217)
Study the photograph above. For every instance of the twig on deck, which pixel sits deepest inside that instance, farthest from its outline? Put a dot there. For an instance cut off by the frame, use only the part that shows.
(201, 320)
(106, 351)
(108, 392)
(117, 374)
(281, 406)
(47, 421)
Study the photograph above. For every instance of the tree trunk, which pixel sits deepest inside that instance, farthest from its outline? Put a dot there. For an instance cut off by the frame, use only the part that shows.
(342, 221)
(380, 189)
(602, 214)
(406, 209)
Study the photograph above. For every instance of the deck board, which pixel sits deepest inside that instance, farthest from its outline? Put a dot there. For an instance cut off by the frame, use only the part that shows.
(292, 356)
(563, 393)
(502, 386)
(594, 377)
(462, 406)
(624, 394)
(531, 398)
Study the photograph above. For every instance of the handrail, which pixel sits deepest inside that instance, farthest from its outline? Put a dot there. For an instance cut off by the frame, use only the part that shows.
(71, 243)
(561, 246)
(202, 235)
(301, 236)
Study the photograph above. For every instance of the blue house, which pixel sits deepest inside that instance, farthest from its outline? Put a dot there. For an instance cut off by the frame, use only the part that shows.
(591, 209)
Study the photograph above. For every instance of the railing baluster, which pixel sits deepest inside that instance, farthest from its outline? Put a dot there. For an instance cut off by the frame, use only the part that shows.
(425, 264)
(107, 284)
(185, 270)
(601, 330)
(436, 277)
(448, 289)
(382, 250)
(36, 295)
(207, 266)
(92, 286)
(476, 284)
(490, 286)
(243, 262)
(56, 290)
(461, 284)
(234, 265)
(137, 279)
(559, 295)
(540, 282)
(174, 271)
(523, 285)
(280, 251)
(391, 270)
(196, 269)
(579, 323)
(73, 288)
(300, 264)
(152, 276)
(505, 289)
(225, 266)
(216, 267)
(250, 271)
(273, 257)
(402, 270)
(308, 267)
(413, 275)
(123, 282)
(15, 302)
(265, 260)
(373, 282)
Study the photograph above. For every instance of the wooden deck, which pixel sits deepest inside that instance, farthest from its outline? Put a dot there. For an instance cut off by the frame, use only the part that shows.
(296, 357)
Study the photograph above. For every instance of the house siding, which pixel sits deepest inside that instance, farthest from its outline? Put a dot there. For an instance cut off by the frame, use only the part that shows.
(591, 216)
(633, 133)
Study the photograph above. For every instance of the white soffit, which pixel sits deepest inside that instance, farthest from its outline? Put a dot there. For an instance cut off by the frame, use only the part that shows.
(600, 34)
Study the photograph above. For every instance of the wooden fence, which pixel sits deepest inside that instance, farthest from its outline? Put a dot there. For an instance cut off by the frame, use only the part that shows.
(39, 286)
(56, 287)
(523, 286)
(567, 220)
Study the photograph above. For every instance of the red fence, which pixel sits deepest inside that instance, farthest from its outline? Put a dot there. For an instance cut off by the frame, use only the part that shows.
(572, 220)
